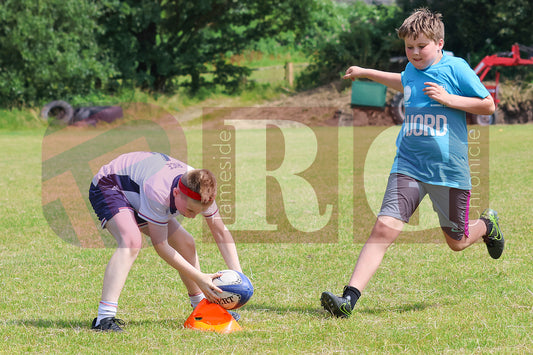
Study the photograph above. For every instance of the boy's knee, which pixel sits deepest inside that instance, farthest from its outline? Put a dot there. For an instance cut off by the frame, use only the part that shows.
(455, 244)
(131, 250)
(455, 247)
(386, 229)
(456, 234)
(134, 251)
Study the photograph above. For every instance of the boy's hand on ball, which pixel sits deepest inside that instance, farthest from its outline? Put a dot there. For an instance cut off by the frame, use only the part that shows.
(209, 289)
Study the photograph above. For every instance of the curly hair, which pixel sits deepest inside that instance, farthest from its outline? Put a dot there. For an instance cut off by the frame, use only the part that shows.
(422, 21)
(201, 181)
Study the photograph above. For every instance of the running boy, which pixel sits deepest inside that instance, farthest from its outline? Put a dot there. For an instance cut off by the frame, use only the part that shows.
(432, 152)
(144, 192)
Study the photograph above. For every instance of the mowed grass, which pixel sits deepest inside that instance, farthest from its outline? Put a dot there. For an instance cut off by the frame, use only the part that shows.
(423, 299)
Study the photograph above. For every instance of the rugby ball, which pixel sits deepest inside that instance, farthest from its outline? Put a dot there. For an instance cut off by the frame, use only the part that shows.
(236, 289)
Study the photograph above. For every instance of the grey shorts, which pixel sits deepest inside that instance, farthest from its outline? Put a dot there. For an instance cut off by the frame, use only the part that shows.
(404, 194)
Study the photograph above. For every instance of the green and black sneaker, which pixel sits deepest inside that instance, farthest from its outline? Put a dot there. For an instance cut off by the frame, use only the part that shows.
(494, 237)
(337, 306)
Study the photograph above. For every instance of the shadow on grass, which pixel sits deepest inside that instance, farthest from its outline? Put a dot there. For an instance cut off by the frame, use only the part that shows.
(178, 323)
(86, 325)
(261, 307)
(319, 312)
(417, 306)
(45, 323)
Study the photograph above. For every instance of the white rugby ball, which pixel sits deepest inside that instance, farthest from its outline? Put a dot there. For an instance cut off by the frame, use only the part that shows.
(237, 289)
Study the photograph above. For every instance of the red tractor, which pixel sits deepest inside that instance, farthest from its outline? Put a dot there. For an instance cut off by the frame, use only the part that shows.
(504, 59)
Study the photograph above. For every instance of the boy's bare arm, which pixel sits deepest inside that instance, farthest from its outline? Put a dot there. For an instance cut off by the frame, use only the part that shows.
(159, 237)
(392, 80)
(224, 241)
(474, 105)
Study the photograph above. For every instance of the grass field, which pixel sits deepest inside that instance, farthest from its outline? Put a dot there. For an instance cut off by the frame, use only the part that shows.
(424, 298)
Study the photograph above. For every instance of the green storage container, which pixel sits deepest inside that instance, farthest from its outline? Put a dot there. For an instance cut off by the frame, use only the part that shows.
(368, 93)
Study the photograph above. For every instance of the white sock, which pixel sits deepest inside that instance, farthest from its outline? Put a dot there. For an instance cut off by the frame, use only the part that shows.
(195, 299)
(106, 309)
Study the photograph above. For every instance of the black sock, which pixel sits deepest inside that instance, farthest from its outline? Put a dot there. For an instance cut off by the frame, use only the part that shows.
(353, 293)
(488, 225)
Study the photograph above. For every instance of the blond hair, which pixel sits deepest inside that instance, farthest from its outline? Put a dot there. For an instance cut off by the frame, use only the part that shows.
(203, 182)
(423, 21)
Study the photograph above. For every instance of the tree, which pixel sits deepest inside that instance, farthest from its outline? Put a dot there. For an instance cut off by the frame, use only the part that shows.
(369, 41)
(48, 50)
(154, 42)
(475, 28)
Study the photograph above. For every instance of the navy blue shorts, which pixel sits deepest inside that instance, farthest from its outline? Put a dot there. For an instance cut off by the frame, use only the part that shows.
(404, 194)
(108, 200)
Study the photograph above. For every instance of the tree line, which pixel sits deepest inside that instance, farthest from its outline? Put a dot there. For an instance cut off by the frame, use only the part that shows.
(56, 49)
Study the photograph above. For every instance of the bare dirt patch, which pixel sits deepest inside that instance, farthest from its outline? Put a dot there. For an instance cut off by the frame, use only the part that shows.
(340, 101)
(323, 106)
(345, 115)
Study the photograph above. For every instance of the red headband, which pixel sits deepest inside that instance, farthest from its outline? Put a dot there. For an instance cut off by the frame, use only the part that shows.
(188, 192)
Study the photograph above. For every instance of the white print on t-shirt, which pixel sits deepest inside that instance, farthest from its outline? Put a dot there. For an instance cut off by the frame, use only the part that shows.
(406, 93)
(425, 125)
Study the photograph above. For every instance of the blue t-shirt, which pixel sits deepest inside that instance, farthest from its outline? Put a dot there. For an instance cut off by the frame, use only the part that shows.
(432, 145)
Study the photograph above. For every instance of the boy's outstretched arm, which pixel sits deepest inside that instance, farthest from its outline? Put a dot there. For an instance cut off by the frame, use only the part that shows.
(159, 237)
(224, 241)
(474, 105)
(392, 80)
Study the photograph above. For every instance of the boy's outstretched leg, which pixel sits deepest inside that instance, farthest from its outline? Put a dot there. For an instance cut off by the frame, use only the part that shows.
(385, 231)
